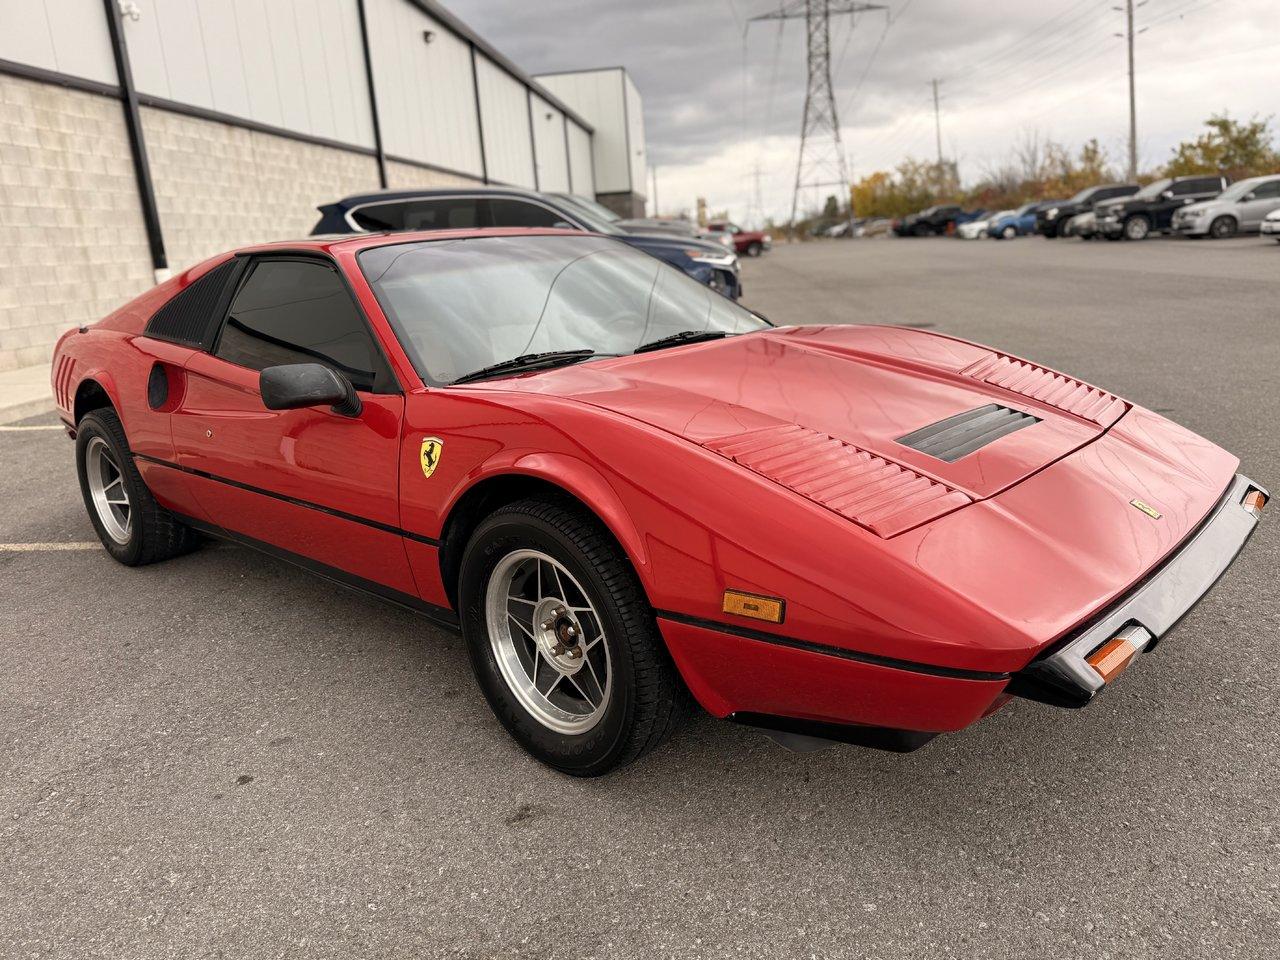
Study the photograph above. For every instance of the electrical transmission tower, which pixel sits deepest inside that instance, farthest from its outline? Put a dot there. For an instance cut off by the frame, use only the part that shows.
(822, 161)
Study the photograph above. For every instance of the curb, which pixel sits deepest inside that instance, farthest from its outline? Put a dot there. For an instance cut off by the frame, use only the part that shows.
(26, 408)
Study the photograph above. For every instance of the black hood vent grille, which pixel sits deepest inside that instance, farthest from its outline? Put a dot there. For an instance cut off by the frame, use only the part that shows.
(959, 436)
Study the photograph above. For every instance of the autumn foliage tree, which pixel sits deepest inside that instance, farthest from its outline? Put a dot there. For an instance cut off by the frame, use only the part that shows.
(1237, 149)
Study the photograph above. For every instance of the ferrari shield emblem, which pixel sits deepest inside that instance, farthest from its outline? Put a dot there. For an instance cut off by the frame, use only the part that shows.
(1146, 508)
(429, 455)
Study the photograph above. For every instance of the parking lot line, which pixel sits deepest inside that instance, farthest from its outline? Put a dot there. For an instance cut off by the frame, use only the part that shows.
(40, 547)
(15, 429)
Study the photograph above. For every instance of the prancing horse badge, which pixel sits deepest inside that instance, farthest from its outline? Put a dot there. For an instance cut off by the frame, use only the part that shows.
(429, 455)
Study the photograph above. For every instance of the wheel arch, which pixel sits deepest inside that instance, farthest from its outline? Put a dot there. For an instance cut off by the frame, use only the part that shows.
(540, 476)
(93, 392)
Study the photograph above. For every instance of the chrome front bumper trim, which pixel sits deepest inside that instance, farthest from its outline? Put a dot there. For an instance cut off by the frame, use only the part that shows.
(1064, 678)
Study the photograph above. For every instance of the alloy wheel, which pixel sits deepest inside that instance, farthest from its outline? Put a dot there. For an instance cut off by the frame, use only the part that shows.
(106, 487)
(548, 640)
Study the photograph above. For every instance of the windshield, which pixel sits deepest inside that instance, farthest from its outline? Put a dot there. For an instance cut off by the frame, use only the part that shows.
(597, 210)
(1026, 208)
(1239, 188)
(1083, 195)
(1153, 189)
(460, 305)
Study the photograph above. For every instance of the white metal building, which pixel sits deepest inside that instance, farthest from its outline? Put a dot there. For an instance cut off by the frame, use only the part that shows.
(611, 103)
(140, 136)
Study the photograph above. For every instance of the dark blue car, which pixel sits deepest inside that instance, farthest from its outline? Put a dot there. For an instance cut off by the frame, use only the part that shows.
(477, 207)
(1017, 224)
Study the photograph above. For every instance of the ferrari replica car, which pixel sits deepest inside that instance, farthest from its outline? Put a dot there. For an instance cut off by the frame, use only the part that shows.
(624, 488)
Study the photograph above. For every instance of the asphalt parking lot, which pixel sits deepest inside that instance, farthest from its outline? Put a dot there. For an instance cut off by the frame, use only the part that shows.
(223, 756)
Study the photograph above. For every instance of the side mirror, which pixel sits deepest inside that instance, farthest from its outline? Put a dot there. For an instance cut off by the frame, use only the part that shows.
(297, 385)
(1167, 194)
(1247, 198)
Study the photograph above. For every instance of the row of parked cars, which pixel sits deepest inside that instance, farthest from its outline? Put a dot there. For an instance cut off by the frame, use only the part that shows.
(1196, 206)
(711, 259)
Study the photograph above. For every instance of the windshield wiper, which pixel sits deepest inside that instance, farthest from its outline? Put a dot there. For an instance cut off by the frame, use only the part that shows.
(527, 361)
(684, 336)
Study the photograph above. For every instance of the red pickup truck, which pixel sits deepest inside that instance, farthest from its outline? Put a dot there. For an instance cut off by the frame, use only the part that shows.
(751, 242)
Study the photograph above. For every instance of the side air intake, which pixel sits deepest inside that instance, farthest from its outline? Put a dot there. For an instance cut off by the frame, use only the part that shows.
(961, 435)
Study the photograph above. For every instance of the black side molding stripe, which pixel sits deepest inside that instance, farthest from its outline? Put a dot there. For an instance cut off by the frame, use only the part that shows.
(341, 515)
(441, 616)
(823, 649)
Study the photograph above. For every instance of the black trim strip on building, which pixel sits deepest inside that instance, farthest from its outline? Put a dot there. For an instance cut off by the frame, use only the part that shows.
(533, 140)
(475, 86)
(825, 650)
(568, 160)
(137, 142)
(330, 511)
(380, 152)
(439, 615)
(83, 84)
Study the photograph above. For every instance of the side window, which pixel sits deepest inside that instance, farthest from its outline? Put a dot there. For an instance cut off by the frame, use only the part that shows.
(445, 213)
(505, 212)
(299, 311)
(1267, 191)
(1185, 187)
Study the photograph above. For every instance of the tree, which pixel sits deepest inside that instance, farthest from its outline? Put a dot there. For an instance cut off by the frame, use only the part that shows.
(1230, 147)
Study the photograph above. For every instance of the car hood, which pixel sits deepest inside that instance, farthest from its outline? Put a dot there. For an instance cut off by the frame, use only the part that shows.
(667, 243)
(813, 407)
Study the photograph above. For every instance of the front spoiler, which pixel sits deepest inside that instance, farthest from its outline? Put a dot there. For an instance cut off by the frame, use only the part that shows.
(1064, 678)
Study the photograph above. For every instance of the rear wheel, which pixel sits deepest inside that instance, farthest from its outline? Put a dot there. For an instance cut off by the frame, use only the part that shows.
(562, 641)
(754, 249)
(1137, 228)
(1222, 228)
(134, 528)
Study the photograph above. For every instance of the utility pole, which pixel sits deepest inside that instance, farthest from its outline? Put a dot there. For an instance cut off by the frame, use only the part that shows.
(822, 160)
(1128, 35)
(937, 122)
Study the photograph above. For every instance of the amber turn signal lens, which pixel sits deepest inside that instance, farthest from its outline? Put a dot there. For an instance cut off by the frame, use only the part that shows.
(753, 606)
(1254, 501)
(1112, 657)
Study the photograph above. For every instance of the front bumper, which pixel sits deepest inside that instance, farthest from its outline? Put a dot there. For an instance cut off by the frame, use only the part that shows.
(1269, 228)
(1109, 226)
(1189, 227)
(1064, 676)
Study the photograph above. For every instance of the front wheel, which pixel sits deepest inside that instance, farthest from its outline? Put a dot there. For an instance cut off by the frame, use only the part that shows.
(134, 528)
(562, 640)
(1009, 233)
(1222, 228)
(754, 249)
(1137, 228)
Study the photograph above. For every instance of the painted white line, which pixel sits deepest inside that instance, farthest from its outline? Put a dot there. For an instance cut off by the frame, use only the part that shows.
(39, 547)
(56, 426)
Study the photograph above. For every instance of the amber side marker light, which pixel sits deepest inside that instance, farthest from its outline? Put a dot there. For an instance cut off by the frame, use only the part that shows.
(1254, 501)
(771, 609)
(1112, 657)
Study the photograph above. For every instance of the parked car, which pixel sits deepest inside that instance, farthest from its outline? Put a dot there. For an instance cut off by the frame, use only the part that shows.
(1270, 226)
(677, 226)
(1151, 209)
(977, 228)
(1240, 208)
(1020, 223)
(751, 242)
(1052, 218)
(623, 489)
(477, 208)
(1082, 225)
(876, 226)
(931, 221)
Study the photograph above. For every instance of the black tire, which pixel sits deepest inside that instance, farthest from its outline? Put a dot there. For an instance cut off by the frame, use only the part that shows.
(754, 249)
(1223, 228)
(1137, 228)
(922, 231)
(154, 534)
(647, 695)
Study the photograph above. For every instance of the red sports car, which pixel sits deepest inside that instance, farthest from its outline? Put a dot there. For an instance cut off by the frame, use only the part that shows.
(624, 488)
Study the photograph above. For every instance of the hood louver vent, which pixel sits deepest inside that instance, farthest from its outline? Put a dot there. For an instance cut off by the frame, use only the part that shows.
(884, 497)
(1055, 389)
(961, 435)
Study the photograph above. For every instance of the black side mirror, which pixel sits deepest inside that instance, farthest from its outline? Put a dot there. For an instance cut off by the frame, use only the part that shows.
(297, 385)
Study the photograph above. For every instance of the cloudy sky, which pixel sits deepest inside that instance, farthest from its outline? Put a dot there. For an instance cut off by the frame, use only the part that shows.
(716, 106)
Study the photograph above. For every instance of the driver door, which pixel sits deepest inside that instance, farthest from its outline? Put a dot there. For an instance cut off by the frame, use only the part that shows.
(309, 483)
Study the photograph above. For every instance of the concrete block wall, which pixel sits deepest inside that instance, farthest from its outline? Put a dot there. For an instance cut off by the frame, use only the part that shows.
(72, 242)
(220, 186)
(73, 246)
